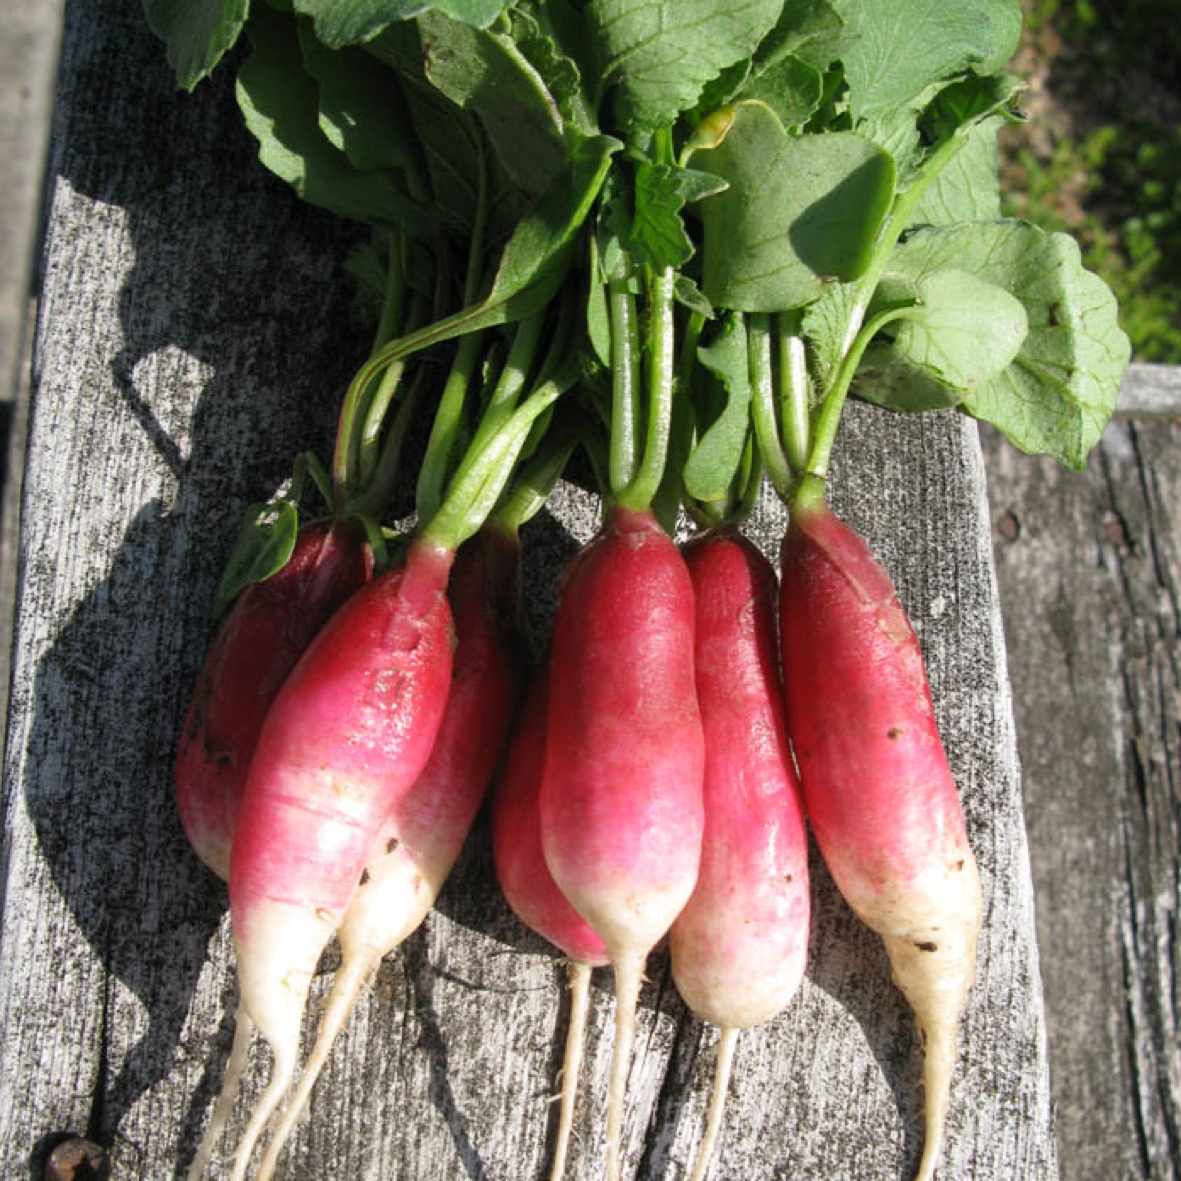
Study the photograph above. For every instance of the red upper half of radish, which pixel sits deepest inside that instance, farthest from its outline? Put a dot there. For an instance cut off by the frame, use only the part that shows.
(621, 802)
(265, 633)
(528, 885)
(433, 817)
(739, 947)
(879, 792)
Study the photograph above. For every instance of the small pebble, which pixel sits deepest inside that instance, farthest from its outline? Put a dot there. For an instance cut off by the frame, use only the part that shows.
(78, 1160)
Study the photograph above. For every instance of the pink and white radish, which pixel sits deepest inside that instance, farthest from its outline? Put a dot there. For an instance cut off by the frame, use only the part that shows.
(257, 645)
(425, 831)
(347, 736)
(878, 790)
(621, 796)
(534, 896)
(740, 946)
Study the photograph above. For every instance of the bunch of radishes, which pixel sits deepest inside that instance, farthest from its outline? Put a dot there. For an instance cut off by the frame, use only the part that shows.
(649, 789)
(675, 241)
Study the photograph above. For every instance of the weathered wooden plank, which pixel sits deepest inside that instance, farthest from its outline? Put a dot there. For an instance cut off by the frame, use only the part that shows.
(193, 336)
(1089, 567)
(1151, 391)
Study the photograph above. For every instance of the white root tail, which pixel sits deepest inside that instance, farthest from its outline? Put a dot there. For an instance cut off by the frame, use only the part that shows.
(717, 1102)
(351, 980)
(282, 1072)
(629, 975)
(578, 979)
(224, 1107)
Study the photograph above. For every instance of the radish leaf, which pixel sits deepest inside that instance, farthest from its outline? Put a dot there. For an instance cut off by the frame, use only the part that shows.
(711, 467)
(196, 33)
(263, 547)
(486, 73)
(1057, 394)
(893, 52)
(349, 22)
(363, 111)
(279, 102)
(657, 235)
(960, 332)
(655, 58)
(800, 213)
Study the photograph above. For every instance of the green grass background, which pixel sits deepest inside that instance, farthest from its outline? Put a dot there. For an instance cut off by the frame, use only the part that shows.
(1101, 154)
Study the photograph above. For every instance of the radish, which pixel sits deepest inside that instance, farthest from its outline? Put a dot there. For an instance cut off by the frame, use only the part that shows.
(425, 831)
(878, 791)
(533, 894)
(740, 945)
(345, 740)
(347, 736)
(621, 794)
(266, 631)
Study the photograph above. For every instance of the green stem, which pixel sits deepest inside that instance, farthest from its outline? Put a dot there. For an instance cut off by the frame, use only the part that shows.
(370, 500)
(794, 406)
(367, 449)
(829, 418)
(762, 390)
(535, 482)
(513, 377)
(395, 291)
(661, 356)
(625, 386)
(471, 498)
(447, 427)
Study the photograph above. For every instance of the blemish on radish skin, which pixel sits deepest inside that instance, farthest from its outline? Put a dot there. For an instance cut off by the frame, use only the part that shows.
(926, 946)
(894, 733)
(364, 878)
(391, 844)
(325, 916)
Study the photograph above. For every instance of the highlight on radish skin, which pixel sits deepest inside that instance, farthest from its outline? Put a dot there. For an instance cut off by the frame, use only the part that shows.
(425, 832)
(621, 795)
(739, 948)
(533, 895)
(878, 790)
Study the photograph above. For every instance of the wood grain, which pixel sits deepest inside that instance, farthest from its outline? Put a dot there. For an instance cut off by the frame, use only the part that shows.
(1089, 566)
(194, 335)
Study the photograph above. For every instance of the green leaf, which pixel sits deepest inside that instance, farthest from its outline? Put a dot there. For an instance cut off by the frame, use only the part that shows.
(196, 33)
(655, 58)
(536, 257)
(800, 214)
(264, 546)
(1058, 393)
(826, 327)
(279, 100)
(563, 79)
(350, 22)
(968, 187)
(778, 73)
(961, 331)
(713, 463)
(657, 235)
(893, 52)
(363, 112)
(792, 88)
(447, 135)
(485, 73)
(969, 101)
